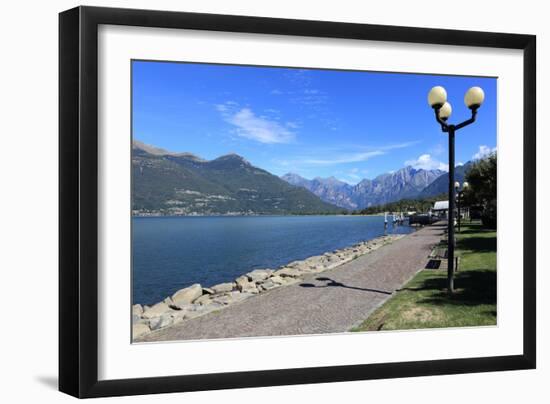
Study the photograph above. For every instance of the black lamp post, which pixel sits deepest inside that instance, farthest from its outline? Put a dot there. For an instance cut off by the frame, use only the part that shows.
(437, 98)
(459, 198)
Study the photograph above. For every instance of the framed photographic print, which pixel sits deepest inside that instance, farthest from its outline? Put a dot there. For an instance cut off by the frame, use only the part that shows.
(251, 201)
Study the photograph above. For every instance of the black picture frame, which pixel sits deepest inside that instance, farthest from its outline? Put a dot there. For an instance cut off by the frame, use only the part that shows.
(78, 201)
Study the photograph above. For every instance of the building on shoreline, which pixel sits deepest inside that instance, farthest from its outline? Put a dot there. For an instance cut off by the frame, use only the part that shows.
(441, 209)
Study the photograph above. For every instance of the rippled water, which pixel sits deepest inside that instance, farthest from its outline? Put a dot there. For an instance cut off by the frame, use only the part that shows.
(170, 253)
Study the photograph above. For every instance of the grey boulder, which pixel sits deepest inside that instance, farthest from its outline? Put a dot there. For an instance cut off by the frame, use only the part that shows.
(259, 275)
(140, 329)
(161, 322)
(187, 295)
(156, 310)
(223, 287)
(137, 310)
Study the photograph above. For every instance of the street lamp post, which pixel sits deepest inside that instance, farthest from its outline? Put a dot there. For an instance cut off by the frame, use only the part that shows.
(459, 196)
(437, 98)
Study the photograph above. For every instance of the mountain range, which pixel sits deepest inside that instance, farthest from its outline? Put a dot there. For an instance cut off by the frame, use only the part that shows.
(407, 182)
(441, 184)
(166, 183)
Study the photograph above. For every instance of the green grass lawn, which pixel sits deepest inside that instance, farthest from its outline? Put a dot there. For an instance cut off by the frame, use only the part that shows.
(424, 302)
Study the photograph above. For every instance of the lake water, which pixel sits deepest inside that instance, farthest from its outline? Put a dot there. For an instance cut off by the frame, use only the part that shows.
(170, 253)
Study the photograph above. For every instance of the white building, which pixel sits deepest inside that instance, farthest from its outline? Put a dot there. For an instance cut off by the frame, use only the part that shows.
(441, 209)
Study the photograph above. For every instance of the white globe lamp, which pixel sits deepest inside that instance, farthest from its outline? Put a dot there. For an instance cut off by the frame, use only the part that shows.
(474, 97)
(437, 97)
(445, 111)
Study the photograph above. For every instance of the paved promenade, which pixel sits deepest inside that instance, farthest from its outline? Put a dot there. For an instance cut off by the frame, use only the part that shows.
(332, 301)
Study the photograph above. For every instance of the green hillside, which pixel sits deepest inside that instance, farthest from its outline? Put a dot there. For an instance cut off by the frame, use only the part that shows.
(183, 184)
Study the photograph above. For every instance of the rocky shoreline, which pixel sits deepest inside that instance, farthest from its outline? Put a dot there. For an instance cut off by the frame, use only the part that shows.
(195, 300)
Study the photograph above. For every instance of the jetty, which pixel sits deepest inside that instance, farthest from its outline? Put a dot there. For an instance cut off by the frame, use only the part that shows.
(332, 301)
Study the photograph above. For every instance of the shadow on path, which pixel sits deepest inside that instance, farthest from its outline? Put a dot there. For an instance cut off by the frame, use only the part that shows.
(473, 229)
(472, 288)
(333, 283)
(478, 244)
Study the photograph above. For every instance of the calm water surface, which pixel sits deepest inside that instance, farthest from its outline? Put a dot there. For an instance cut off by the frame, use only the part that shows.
(170, 253)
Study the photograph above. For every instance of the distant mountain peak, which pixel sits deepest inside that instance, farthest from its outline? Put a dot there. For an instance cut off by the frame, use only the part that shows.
(228, 185)
(441, 184)
(157, 151)
(332, 178)
(365, 181)
(292, 175)
(188, 155)
(407, 182)
(232, 157)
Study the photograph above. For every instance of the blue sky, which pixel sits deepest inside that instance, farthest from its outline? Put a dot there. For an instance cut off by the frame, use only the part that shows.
(350, 125)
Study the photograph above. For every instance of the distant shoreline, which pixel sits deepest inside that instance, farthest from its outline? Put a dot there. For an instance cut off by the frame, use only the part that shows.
(259, 215)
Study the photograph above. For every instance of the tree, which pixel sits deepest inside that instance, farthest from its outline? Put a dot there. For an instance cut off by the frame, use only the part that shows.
(403, 205)
(482, 178)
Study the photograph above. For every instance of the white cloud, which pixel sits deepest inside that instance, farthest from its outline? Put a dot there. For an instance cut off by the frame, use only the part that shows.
(347, 158)
(260, 129)
(221, 108)
(310, 99)
(292, 125)
(343, 154)
(353, 175)
(438, 149)
(483, 152)
(399, 145)
(427, 162)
